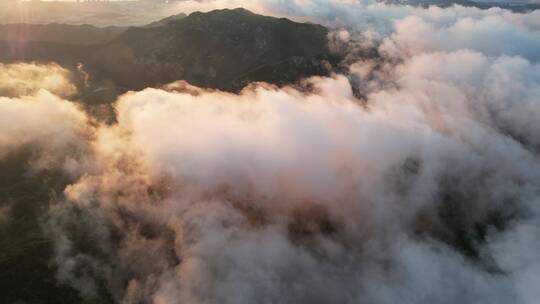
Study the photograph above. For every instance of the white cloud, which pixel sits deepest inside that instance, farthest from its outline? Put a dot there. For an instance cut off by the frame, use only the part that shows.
(21, 79)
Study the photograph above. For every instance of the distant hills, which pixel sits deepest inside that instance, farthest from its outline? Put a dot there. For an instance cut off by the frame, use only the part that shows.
(59, 33)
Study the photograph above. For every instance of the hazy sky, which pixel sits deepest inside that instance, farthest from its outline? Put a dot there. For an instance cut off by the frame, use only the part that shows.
(101, 14)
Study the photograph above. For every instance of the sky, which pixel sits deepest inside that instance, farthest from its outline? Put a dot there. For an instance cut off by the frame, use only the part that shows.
(120, 13)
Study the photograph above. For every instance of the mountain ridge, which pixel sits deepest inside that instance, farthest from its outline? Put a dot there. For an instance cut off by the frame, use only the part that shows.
(223, 49)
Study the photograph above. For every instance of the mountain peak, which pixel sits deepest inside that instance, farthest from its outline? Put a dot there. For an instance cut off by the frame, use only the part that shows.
(166, 21)
(239, 11)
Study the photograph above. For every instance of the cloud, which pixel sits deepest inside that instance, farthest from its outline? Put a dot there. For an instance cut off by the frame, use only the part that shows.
(492, 35)
(36, 116)
(22, 79)
(230, 198)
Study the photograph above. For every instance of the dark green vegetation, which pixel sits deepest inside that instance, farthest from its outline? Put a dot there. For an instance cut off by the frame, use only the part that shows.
(26, 273)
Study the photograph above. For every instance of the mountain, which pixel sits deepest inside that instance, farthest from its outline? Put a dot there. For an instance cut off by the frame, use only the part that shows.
(221, 49)
(224, 49)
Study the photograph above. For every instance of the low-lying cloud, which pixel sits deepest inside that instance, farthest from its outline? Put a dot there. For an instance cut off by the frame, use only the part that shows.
(24, 79)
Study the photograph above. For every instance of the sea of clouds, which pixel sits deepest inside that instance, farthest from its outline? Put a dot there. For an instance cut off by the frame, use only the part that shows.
(423, 188)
